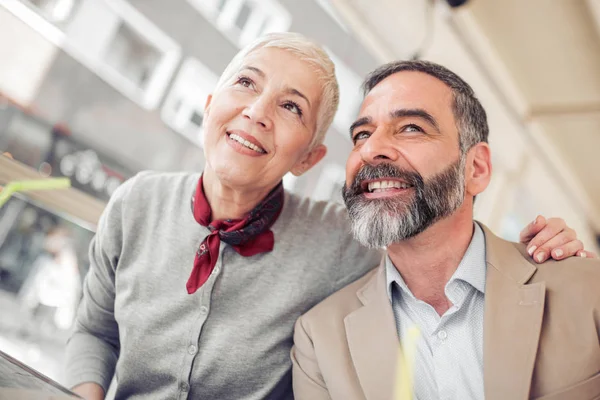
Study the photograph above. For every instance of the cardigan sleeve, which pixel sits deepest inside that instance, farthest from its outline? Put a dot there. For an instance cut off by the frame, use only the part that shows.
(93, 348)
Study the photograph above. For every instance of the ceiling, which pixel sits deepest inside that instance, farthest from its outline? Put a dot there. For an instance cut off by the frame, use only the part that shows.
(552, 52)
(542, 55)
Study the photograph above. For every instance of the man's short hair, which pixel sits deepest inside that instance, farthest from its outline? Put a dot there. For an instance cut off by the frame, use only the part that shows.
(471, 119)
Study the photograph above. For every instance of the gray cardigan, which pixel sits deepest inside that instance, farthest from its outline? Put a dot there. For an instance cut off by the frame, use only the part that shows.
(229, 340)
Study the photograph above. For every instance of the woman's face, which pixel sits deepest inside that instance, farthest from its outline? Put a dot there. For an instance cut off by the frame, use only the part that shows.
(260, 124)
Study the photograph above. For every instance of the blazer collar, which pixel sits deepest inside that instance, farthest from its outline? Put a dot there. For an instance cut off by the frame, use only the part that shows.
(514, 312)
(512, 325)
(373, 340)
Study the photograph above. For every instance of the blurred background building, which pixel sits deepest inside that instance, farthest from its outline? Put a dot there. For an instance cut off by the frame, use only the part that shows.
(98, 90)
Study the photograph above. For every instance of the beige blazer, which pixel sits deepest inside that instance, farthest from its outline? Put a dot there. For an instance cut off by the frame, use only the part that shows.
(541, 333)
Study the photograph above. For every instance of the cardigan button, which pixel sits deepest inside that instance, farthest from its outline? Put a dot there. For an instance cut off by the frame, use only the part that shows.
(185, 387)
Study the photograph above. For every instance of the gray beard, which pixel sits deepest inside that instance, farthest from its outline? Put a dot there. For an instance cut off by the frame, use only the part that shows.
(378, 223)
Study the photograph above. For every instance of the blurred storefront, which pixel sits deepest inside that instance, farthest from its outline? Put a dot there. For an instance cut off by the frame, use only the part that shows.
(53, 151)
(42, 261)
(43, 250)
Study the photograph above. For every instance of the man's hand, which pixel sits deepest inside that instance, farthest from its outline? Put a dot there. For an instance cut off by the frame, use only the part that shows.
(552, 238)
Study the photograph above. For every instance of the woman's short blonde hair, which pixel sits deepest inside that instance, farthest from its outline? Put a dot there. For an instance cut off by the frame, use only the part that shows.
(309, 52)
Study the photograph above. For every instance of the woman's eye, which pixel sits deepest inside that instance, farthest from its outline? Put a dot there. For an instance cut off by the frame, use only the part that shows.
(246, 82)
(293, 107)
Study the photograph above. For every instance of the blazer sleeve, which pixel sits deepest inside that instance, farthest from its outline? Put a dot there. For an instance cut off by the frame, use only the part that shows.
(307, 378)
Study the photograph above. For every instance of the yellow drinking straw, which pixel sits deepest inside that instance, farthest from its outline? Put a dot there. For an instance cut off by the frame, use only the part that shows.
(33, 185)
(406, 364)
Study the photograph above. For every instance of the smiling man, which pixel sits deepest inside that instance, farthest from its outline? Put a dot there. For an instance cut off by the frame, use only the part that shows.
(492, 323)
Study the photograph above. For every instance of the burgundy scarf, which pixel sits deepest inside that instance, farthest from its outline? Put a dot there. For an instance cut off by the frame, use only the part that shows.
(249, 236)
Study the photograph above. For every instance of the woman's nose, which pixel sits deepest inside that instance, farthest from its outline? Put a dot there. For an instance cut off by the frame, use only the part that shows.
(259, 112)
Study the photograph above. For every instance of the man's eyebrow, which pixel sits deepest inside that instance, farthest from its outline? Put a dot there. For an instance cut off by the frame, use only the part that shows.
(416, 112)
(359, 122)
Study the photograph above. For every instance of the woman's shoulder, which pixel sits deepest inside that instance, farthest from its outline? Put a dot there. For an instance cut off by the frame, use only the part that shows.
(311, 211)
(157, 179)
(157, 186)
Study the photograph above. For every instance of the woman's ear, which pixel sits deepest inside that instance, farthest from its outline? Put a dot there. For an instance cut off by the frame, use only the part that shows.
(207, 104)
(309, 160)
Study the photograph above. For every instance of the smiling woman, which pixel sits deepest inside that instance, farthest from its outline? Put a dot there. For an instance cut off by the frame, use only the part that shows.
(196, 280)
(259, 125)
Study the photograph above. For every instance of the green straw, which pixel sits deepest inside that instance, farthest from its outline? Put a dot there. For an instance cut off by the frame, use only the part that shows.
(25, 186)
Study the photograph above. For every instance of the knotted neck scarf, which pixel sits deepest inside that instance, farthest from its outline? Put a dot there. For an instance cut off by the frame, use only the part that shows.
(248, 236)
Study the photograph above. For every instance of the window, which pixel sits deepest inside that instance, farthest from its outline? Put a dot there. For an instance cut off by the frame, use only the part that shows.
(124, 48)
(40, 17)
(350, 96)
(183, 109)
(133, 56)
(43, 260)
(244, 20)
(111, 38)
(56, 11)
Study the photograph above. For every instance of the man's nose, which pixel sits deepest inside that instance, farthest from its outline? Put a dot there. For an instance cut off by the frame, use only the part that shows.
(378, 149)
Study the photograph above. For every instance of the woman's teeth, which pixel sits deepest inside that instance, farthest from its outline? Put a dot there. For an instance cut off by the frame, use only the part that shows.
(381, 186)
(246, 143)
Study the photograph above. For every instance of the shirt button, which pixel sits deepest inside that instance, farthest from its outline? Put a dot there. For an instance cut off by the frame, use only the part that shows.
(442, 335)
(192, 349)
(185, 387)
(203, 310)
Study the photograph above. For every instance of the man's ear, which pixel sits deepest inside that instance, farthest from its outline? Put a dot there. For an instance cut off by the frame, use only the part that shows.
(309, 160)
(478, 169)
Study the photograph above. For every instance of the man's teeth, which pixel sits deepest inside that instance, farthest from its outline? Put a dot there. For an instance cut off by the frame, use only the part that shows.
(246, 143)
(380, 186)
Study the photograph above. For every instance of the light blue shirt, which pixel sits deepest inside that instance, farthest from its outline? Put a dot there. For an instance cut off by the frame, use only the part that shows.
(449, 354)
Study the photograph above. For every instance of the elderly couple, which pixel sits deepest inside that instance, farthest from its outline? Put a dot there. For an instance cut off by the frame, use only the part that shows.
(197, 280)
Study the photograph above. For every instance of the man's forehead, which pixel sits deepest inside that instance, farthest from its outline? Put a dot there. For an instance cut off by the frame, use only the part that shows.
(408, 89)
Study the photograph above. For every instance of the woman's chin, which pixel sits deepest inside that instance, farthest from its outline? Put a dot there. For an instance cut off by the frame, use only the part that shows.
(236, 177)
(242, 175)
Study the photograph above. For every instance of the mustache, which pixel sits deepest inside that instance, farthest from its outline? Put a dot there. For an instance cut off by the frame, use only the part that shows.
(383, 171)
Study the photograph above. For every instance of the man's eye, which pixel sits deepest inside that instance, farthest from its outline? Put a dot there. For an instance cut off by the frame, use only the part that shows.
(361, 136)
(412, 128)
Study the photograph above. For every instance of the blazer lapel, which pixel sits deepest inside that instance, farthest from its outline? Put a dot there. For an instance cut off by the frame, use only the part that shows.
(373, 340)
(513, 320)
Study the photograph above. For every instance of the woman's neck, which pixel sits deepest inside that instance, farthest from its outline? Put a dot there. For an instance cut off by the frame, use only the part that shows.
(227, 202)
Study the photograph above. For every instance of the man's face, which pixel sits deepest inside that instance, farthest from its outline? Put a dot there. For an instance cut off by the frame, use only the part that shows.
(405, 171)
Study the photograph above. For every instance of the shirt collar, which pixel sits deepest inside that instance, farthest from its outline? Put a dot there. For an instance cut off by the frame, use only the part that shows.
(472, 267)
